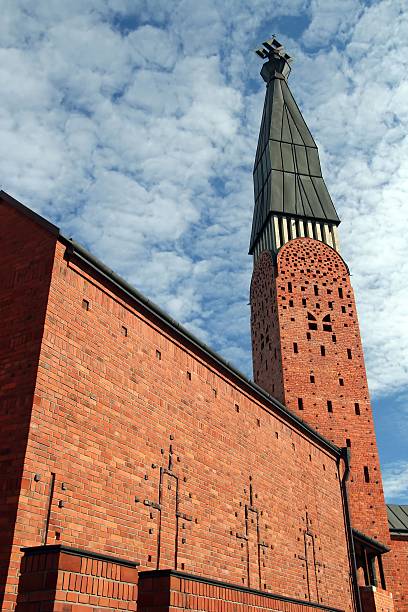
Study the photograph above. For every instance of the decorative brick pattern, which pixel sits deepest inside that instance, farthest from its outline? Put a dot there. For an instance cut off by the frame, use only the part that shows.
(303, 311)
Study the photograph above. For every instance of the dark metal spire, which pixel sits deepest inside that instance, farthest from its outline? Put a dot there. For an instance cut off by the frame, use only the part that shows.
(291, 198)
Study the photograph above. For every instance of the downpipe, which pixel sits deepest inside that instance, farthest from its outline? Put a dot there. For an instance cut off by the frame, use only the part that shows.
(345, 456)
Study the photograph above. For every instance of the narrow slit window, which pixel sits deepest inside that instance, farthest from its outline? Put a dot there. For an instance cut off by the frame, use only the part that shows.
(329, 406)
(291, 303)
(124, 331)
(295, 347)
(312, 378)
(334, 339)
(300, 403)
(340, 292)
(322, 350)
(341, 382)
(316, 289)
(290, 287)
(327, 323)
(357, 409)
(312, 324)
(303, 301)
(349, 355)
(366, 474)
(189, 375)
(158, 354)
(85, 304)
(308, 335)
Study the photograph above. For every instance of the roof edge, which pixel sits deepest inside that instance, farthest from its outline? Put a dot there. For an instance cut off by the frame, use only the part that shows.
(379, 546)
(77, 250)
(29, 213)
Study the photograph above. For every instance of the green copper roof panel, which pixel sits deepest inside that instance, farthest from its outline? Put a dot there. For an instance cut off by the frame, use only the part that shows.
(313, 161)
(276, 203)
(296, 115)
(301, 159)
(275, 103)
(398, 518)
(289, 193)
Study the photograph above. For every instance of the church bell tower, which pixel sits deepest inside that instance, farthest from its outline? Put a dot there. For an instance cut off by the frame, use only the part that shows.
(306, 341)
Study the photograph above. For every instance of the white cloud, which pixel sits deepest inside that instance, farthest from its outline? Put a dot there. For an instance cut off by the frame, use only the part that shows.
(329, 19)
(395, 481)
(133, 126)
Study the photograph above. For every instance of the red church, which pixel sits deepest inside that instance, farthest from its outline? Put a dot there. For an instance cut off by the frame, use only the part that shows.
(141, 471)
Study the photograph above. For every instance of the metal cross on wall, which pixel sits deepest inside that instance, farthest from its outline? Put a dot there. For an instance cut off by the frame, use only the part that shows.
(169, 517)
(255, 546)
(310, 563)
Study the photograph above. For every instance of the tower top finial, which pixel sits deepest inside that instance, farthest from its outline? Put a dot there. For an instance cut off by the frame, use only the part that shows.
(278, 60)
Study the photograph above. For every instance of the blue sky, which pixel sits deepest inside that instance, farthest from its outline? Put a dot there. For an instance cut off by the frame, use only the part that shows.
(133, 126)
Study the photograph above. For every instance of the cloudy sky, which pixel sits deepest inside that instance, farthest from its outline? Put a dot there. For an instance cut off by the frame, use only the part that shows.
(133, 124)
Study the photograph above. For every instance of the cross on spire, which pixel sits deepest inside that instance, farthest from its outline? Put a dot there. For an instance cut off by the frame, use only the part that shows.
(275, 53)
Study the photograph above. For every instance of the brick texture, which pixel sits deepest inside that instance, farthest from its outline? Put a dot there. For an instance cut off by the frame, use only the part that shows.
(374, 600)
(26, 259)
(307, 351)
(67, 581)
(396, 568)
(173, 591)
(148, 450)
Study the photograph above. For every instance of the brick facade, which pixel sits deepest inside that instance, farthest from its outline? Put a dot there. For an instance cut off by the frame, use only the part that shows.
(143, 446)
(396, 567)
(26, 259)
(307, 350)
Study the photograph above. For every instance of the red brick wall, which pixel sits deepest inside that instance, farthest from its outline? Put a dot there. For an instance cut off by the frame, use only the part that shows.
(311, 279)
(396, 568)
(127, 417)
(374, 600)
(166, 591)
(66, 580)
(26, 258)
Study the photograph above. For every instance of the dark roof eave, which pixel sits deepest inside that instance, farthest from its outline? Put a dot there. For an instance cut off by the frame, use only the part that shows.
(365, 539)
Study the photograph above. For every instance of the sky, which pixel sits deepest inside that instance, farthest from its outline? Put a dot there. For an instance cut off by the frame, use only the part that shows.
(132, 125)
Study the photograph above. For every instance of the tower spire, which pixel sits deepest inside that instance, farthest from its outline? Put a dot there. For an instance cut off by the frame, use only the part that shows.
(291, 198)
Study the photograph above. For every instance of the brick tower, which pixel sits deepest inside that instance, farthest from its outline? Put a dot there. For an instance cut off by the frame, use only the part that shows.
(305, 335)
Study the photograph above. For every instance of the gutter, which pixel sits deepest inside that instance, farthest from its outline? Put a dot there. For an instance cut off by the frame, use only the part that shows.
(345, 456)
(379, 547)
(76, 250)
